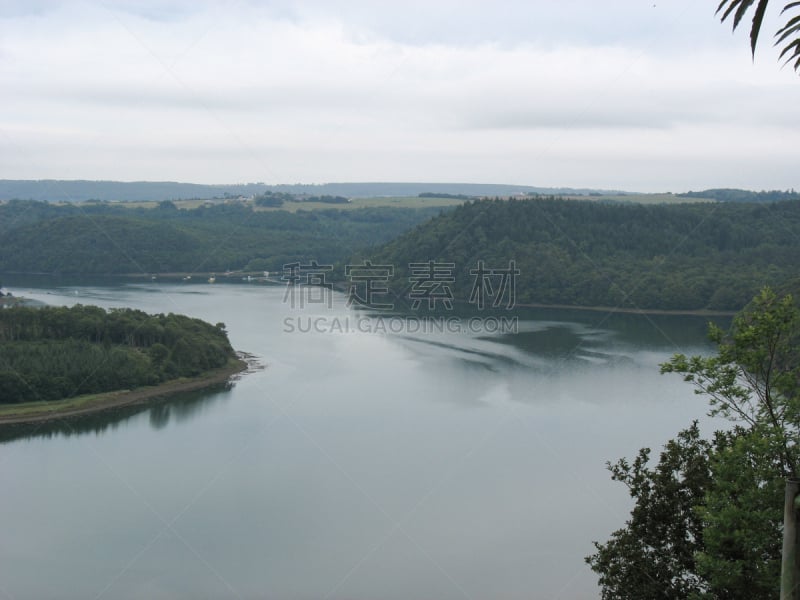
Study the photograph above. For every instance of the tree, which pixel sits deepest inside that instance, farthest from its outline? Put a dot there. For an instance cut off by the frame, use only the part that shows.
(741, 516)
(788, 34)
(654, 555)
(754, 377)
(707, 519)
(50, 353)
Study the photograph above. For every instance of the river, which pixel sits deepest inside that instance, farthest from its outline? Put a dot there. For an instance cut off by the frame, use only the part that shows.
(360, 463)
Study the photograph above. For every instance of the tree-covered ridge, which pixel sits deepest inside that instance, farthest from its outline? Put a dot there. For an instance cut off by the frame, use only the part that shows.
(52, 353)
(107, 239)
(692, 256)
(737, 195)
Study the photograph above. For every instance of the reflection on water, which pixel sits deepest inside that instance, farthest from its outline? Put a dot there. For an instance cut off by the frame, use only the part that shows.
(175, 408)
(357, 465)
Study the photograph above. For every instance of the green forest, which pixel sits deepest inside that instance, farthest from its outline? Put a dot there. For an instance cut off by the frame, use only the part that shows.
(678, 257)
(737, 195)
(97, 238)
(708, 512)
(52, 353)
(713, 256)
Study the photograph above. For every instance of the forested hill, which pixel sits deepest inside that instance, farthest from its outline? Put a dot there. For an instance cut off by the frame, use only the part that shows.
(737, 195)
(52, 353)
(108, 239)
(684, 257)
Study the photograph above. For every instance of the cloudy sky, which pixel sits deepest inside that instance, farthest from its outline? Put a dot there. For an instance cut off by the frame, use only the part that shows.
(627, 94)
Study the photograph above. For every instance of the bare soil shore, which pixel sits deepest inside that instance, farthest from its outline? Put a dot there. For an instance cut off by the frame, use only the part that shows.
(41, 412)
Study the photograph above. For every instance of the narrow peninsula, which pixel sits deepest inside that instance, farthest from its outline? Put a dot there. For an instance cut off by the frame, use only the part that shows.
(59, 362)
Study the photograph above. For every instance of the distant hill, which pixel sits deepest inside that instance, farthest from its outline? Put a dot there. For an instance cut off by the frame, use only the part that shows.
(59, 190)
(98, 238)
(674, 257)
(53, 190)
(737, 195)
(369, 189)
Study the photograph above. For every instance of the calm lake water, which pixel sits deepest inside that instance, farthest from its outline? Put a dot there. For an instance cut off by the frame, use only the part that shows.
(356, 465)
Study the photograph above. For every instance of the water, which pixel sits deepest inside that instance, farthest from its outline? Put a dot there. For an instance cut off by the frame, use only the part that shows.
(355, 465)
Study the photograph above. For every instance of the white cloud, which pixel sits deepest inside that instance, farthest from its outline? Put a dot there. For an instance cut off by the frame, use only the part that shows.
(540, 93)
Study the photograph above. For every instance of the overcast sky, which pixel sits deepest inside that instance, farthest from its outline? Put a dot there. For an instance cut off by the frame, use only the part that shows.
(626, 94)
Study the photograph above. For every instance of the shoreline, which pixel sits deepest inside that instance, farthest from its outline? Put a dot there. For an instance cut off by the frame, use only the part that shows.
(43, 412)
(236, 276)
(687, 312)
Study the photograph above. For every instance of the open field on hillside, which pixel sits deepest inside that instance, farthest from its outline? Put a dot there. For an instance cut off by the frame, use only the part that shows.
(642, 198)
(417, 202)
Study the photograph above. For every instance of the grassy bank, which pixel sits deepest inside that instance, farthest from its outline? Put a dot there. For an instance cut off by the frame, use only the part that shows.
(38, 412)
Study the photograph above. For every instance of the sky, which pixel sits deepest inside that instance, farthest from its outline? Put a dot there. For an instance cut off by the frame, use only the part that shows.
(651, 96)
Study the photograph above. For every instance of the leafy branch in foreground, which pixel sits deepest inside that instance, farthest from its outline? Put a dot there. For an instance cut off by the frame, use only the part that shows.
(788, 33)
(653, 556)
(707, 518)
(754, 376)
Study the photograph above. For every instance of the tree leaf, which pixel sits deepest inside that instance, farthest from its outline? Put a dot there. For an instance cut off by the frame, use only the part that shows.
(758, 19)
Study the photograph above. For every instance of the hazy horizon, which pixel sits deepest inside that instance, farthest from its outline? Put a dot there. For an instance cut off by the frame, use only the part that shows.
(643, 96)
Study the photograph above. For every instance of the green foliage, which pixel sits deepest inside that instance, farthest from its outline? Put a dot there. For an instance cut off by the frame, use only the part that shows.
(107, 239)
(690, 256)
(754, 376)
(742, 516)
(707, 520)
(654, 555)
(52, 353)
(272, 199)
(275, 199)
(737, 195)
